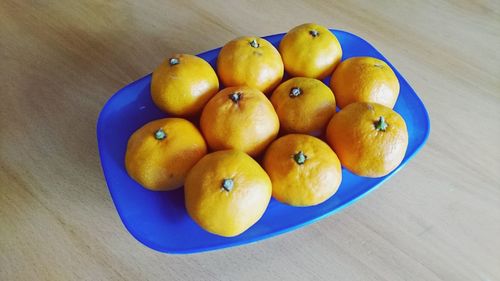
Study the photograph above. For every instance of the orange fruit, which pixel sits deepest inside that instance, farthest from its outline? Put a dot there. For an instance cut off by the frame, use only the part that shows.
(183, 84)
(364, 79)
(250, 61)
(310, 50)
(160, 154)
(304, 105)
(239, 118)
(303, 169)
(227, 192)
(370, 139)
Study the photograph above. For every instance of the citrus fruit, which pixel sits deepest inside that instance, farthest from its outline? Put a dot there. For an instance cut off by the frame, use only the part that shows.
(160, 154)
(364, 79)
(310, 50)
(250, 61)
(370, 139)
(226, 192)
(304, 105)
(182, 84)
(239, 118)
(303, 169)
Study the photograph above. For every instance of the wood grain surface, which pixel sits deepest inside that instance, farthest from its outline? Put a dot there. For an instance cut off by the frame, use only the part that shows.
(437, 219)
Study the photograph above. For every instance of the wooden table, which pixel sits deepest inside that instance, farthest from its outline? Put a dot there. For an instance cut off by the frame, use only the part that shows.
(437, 219)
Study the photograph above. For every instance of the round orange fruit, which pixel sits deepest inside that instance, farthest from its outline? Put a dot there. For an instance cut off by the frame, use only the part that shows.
(250, 61)
(227, 192)
(370, 139)
(310, 50)
(160, 154)
(303, 169)
(183, 84)
(304, 105)
(364, 79)
(239, 118)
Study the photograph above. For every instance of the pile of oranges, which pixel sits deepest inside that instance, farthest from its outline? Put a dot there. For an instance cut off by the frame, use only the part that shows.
(261, 136)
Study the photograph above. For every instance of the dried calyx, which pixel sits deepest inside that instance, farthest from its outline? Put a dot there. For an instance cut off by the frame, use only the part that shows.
(160, 134)
(380, 124)
(173, 61)
(235, 97)
(314, 33)
(300, 158)
(227, 184)
(295, 92)
(254, 43)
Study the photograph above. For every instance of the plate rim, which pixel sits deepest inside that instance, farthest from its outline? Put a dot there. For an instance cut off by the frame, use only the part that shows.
(169, 250)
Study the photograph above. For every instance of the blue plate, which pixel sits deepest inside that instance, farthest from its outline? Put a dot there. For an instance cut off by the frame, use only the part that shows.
(159, 219)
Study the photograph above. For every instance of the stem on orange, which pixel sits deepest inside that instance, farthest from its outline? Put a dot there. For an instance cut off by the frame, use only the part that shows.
(160, 134)
(235, 97)
(254, 43)
(380, 124)
(227, 184)
(173, 61)
(295, 92)
(300, 158)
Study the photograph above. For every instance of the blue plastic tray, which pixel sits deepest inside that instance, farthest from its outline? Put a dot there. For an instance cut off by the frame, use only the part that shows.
(159, 219)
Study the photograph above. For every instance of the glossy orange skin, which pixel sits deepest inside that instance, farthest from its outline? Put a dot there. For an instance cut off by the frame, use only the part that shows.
(307, 184)
(240, 64)
(307, 55)
(223, 212)
(307, 113)
(362, 148)
(183, 89)
(248, 125)
(364, 79)
(164, 164)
